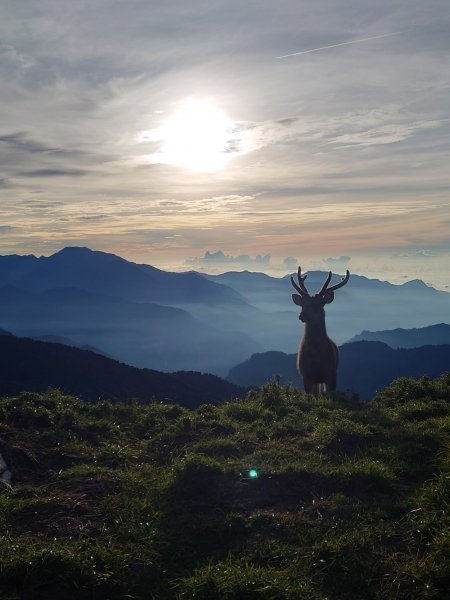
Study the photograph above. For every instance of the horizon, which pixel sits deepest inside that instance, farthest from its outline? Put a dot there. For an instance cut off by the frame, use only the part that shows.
(311, 133)
(278, 272)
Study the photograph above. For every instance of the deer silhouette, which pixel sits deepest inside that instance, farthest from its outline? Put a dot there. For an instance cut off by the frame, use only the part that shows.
(318, 355)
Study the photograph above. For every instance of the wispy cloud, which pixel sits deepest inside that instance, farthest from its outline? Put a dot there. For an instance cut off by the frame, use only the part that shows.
(21, 141)
(389, 133)
(417, 254)
(53, 173)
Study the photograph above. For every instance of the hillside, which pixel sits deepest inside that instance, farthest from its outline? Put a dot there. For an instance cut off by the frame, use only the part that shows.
(35, 366)
(111, 501)
(433, 335)
(364, 367)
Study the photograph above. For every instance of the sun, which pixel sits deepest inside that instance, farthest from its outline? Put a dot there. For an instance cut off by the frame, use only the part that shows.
(198, 137)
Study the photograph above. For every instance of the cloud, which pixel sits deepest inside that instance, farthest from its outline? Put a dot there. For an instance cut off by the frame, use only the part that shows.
(365, 128)
(290, 263)
(21, 141)
(12, 62)
(54, 173)
(341, 261)
(220, 259)
(385, 133)
(417, 254)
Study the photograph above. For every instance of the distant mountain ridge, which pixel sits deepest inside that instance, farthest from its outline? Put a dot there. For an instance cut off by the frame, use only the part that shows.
(100, 300)
(364, 367)
(433, 335)
(363, 304)
(56, 339)
(29, 365)
(108, 274)
(166, 321)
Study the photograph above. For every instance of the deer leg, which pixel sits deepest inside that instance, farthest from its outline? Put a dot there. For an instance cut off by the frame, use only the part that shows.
(330, 385)
(310, 387)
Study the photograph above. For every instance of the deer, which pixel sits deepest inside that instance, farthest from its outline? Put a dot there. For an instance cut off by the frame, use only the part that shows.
(318, 355)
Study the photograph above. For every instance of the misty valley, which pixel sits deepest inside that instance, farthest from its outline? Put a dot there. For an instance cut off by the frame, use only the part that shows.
(170, 322)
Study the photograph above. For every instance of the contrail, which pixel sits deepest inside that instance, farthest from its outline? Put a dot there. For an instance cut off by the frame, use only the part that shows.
(375, 37)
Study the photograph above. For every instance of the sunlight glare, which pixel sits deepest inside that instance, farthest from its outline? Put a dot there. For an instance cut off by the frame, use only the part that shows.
(197, 137)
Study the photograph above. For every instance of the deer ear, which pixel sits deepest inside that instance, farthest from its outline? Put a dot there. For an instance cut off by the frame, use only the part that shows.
(328, 297)
(297, 299)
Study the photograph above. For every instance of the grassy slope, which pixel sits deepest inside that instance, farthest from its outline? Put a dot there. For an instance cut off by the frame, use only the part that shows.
(131, 501)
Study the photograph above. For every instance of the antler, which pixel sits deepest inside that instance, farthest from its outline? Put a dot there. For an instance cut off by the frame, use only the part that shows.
(343, 281)
(301, 288)
(325, 285)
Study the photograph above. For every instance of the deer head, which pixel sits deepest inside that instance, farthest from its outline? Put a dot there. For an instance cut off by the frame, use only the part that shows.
(313, 306)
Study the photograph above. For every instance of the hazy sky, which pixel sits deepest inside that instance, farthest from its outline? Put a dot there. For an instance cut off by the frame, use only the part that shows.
(316, 130)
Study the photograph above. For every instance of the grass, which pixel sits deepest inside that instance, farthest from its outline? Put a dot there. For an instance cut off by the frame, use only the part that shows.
(113, 501)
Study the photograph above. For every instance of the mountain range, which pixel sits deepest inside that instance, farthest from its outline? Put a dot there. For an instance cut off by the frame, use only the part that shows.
(29, 365)
(166, 321)
(433, 335)
(364, 367)
(111, 275)
(99, 301)
(361, 305)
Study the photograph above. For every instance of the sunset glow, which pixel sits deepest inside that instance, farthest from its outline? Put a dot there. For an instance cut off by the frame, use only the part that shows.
(177, 132)
(196, 137)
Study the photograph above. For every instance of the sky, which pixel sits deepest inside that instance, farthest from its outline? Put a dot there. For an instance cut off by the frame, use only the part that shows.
(221, 134)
